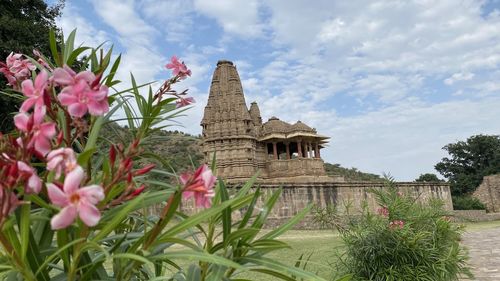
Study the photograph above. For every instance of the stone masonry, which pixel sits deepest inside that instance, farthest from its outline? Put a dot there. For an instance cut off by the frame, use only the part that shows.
(489, 193)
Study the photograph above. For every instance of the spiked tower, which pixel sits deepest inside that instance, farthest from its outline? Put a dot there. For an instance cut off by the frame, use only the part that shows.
(228, 129)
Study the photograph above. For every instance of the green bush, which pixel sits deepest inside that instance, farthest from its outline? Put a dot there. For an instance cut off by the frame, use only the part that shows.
(403, 240)
(465, 202)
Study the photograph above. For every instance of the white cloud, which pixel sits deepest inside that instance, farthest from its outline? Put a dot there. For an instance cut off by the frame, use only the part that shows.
(87, 33)
(240, 17)
(460, 76)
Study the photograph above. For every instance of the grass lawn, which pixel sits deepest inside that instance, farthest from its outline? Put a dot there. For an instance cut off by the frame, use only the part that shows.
(322, 244)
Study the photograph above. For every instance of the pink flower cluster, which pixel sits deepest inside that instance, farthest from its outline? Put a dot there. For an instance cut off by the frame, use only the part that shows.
(178, 68)
(397, 224)
(180, 71)
(81, 92)
(199, 185)
(383, 211)
(16, 69)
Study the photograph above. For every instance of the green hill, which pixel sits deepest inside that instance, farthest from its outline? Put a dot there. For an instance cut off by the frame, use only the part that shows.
(181, 151)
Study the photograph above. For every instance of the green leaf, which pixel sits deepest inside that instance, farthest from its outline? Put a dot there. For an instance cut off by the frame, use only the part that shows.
(226, 213)
(110, 225)
(274, 273)
(85, 156)
(24, 227)
(113, 70)
(61, 249)
(198, 256)
(193, 273)
(68, 47)
(267, 245)
(53, 48)
(94, 133)
(249, 211)
(132, 257)
(74, 55)
(202, 216)
(281, 268)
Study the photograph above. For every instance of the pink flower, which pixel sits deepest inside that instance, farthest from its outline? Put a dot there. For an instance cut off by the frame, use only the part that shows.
(33, 183)
(34, 92)
(40, 133)
(397, 224)
(181, 102)
(75, 201)
(178, 68)
(82, 92)
(66, 76)
(61, 159)
(383, 211)
(200, 185)
(80, 98)
(16, 69)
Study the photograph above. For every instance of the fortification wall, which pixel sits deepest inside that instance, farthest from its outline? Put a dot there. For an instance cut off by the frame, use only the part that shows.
(489, 193)
(350, 195)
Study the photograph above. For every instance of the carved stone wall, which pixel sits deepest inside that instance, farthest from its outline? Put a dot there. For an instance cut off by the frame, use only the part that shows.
(489, 192)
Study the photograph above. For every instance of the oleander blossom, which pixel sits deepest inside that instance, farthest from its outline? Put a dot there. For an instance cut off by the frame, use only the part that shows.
(181, 102)
(61, 160)
(34, 93)
(33, 183)
(16, 69)
(397, 224)
(199, 185)
(75, 200)
(178, 68)
(383, 211)
(40, 132)
(82, 92)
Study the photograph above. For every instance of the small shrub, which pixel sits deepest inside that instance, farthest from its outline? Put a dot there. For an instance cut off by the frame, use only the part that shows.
(465, 202)
(403, 240)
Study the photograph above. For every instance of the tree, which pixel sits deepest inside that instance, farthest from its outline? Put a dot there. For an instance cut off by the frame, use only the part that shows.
(24, 26)
(428, 177)
(469, 162)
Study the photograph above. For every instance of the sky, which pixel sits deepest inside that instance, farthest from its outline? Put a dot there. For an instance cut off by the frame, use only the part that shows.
(391, 82)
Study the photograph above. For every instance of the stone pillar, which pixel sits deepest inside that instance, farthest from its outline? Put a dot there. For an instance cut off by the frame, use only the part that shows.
(306, 155)
(299, 148)
(287, 144)
(275, 151)
(316, 150)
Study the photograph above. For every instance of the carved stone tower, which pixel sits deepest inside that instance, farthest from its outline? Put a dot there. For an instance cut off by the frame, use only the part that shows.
(228, 128)
(243, 144)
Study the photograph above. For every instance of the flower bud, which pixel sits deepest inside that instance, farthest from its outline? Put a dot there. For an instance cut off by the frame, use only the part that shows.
(144, 170)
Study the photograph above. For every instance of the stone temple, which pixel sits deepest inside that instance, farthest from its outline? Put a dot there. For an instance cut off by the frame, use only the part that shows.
(244, 145)
(286, 156)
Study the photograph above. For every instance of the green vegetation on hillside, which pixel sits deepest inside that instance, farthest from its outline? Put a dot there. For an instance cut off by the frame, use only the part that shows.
(350, 174)
(181, 151)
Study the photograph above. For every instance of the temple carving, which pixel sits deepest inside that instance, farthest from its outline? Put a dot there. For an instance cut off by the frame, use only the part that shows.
(279, 151)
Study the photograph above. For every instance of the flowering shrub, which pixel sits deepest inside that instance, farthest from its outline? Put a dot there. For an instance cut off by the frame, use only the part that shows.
(403, 240)
(68, 212)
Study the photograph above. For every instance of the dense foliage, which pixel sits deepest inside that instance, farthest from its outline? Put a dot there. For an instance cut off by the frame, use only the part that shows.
(469, 162)
(23, 26)
(465, 202)
(350, 174)
(404, 240)
(428, 177)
